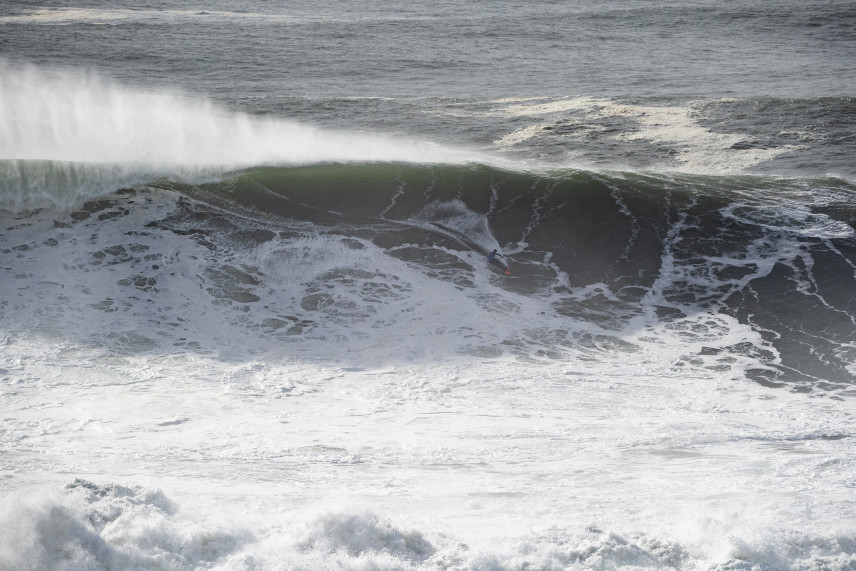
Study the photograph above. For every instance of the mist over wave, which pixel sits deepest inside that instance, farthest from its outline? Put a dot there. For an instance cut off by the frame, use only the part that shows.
(70, 135)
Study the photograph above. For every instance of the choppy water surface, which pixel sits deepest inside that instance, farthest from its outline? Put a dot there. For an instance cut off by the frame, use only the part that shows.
(248, 321)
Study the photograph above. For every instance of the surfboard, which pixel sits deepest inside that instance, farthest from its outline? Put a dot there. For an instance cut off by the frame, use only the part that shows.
(501, 266)
(466, 241)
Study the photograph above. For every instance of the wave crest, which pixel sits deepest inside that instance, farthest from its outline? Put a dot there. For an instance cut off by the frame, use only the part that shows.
(54, 121)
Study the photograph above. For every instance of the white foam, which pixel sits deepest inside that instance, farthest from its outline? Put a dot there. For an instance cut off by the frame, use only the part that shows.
(694, 148)
(699, 150)
(417, 422)
(61, 16)
(548, 107)
(521, 135)
(73, 15)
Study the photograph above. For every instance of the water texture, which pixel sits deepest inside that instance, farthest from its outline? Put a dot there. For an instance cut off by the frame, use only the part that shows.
(247, 319)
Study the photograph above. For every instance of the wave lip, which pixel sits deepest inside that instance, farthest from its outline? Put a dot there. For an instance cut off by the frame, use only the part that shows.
(63, 116)
(90, 128)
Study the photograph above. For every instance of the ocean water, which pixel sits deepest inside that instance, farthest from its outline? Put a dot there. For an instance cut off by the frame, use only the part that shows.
(247, 319)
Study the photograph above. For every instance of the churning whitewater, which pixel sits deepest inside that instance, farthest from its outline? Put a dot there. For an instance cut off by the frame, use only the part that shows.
(248, 320)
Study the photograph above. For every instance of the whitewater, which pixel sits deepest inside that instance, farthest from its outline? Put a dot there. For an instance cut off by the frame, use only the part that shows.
(247, 320)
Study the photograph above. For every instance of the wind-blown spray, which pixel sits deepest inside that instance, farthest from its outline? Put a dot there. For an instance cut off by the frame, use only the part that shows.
(73, 135)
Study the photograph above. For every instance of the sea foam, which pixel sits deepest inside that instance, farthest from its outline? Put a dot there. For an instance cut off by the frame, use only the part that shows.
(92, 525)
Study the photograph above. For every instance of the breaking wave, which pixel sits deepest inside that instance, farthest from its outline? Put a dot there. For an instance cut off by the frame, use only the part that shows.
(748, 276)
(68, 136)
(111, 526)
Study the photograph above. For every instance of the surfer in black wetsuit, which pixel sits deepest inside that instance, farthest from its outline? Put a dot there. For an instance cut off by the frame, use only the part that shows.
(491, 256)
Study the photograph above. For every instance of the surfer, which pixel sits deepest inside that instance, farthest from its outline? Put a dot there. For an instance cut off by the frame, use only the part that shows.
(491, 259)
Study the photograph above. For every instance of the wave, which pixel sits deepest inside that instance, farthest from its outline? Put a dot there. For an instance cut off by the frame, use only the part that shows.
(68, 136)
(747, 274)
(112, 526)
(625, 251)
(621, 249)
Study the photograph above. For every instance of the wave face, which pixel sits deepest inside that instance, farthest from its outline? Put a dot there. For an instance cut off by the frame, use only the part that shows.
(631, 253)
(748, 275)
